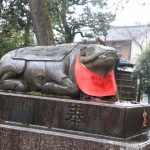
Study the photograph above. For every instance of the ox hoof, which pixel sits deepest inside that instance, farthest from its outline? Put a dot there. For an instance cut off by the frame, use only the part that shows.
(47, 87)
(19, 87)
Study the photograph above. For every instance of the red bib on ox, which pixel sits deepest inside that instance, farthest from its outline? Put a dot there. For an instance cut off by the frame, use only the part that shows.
(93, 84)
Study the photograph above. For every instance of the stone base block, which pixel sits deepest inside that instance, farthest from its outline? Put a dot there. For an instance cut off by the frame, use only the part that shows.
(23, 138)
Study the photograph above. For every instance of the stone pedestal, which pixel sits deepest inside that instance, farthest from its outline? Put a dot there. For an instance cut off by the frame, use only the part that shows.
(63, 124)
(120, 120)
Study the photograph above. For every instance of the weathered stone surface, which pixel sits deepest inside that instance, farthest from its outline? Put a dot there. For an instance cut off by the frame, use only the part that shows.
(121, 120)
(21, 138)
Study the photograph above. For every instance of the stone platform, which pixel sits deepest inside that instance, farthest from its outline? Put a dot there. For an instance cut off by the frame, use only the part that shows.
(29, 138)
(119, 120)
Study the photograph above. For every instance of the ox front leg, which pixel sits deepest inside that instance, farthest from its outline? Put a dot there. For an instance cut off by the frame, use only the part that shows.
(66, 88)
(12, 85)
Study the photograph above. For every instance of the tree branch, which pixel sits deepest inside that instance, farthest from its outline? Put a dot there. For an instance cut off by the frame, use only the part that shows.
(79, 32)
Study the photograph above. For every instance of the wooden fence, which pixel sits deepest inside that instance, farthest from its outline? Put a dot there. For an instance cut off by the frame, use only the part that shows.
(127, 87)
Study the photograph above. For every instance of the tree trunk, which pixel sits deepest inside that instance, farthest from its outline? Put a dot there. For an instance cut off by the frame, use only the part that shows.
(41, 22)
(148, 97)
(69, 38)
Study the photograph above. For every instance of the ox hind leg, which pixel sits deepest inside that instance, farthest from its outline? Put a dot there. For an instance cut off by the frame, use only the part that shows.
(9, 81)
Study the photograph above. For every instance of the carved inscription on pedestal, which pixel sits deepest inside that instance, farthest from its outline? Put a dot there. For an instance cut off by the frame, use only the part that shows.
(75, 115)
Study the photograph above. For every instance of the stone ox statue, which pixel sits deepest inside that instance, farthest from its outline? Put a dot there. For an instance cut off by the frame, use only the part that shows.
(51, 69)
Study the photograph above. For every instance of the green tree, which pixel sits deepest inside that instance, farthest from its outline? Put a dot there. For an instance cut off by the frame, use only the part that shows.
(15, 25)
(142, 72)
(68, 21)
(16, 28)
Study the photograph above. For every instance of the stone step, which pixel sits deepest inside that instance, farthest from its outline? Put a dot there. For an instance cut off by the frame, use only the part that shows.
(23, 138)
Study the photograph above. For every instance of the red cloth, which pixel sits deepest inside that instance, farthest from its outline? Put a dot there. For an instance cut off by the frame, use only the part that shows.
(94, 84)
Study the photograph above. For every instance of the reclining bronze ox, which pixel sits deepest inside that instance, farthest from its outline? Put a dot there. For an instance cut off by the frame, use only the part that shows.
(51, 69)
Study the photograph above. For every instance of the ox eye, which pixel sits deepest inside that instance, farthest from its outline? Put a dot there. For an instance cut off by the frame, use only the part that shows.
(83, 51)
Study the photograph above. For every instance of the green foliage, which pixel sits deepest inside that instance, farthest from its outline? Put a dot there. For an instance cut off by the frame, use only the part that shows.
(16, 28)
(10, 41)
(15, 25)
(70, 16)
(142, 71)
(97, 21)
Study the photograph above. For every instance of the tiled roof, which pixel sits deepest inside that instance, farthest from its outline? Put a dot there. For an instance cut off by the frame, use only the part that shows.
(126, 32)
